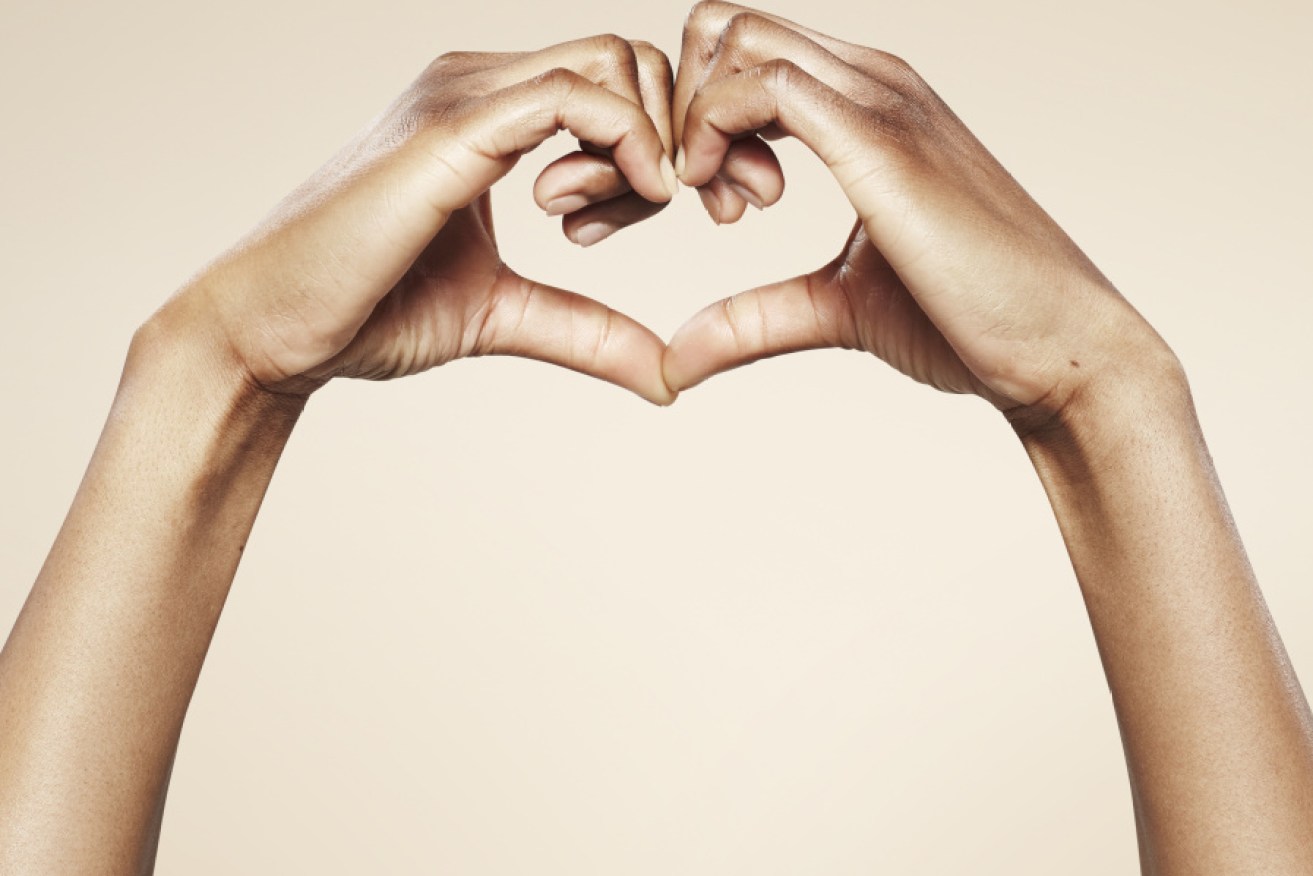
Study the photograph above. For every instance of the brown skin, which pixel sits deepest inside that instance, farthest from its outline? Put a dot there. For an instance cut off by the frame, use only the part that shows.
(385, 264)
(954, 276)
(382, 264)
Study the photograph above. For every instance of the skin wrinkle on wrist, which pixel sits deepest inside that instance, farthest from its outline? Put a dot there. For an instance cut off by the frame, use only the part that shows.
(987, 295)
(215, 421)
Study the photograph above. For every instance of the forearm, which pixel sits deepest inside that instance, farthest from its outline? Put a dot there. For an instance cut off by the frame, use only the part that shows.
(1217, 733)
(99, 669)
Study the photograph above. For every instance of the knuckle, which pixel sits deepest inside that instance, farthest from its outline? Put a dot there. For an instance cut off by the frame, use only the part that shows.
(449, 62)
(557, 85)
(897, 71)
(422, 116)
(781, 72)
(899, 64)
(649, 55)
(428, 103)
(904, 100)
(741, 27)
(709, 15)
(612, 46)
(557, 77)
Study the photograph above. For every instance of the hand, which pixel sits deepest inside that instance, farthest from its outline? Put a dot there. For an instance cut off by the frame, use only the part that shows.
(586, 188)
(385, 262)
(952, 274)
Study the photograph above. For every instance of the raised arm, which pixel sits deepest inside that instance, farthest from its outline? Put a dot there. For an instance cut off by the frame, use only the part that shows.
(383, 264)
(956, 277)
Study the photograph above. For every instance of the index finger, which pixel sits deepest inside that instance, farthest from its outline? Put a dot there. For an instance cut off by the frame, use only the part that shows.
(702, 31)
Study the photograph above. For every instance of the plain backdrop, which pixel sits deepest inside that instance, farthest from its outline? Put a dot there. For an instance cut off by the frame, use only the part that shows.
(501, 619)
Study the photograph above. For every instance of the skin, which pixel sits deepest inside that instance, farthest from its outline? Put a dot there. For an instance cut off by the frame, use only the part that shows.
(385, 264)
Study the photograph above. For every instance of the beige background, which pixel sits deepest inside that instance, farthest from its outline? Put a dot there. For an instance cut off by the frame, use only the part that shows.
(815, 618)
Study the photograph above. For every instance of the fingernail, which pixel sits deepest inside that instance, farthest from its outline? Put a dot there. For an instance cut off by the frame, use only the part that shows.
(669, 177)
(565, 204)
(712, 203)
(679, 162)
(746, 195)
(591, 233)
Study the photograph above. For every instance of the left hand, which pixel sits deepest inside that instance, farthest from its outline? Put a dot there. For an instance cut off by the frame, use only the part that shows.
(385, 262)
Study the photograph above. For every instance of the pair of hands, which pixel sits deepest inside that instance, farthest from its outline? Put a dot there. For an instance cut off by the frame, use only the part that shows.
(385, 262)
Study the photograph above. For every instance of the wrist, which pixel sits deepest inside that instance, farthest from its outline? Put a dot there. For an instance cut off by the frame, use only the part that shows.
(1128, 474)
(1120, 440)
(182, 382)
(183, 345)
(1141, 395)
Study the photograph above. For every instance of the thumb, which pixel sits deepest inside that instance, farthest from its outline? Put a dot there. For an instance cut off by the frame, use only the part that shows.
(807, 312)
(535, 321)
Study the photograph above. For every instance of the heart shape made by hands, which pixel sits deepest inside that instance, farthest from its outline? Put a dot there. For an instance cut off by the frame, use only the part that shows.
(952, 273)
(929, 279)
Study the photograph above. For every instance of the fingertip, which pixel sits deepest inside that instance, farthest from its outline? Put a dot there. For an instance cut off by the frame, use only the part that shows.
(732, 206)
(710, 203)
(677, 378)
(613, 215)
(669, 176)
(642, 370)
(679, 367)
(658, 187)
(747, 195)
(722, 204)
(700, 169)
(576, 180)
(565, 204)
(593, 232)
(753, 171)
(663, 398)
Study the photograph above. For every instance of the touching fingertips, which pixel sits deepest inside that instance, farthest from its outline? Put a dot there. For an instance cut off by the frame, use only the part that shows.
(700, 158)
(664, 396)
(668, 176)
(681, 365)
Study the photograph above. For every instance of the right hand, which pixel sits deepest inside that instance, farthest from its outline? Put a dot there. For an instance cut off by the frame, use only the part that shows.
(385, 263)
(952, 273)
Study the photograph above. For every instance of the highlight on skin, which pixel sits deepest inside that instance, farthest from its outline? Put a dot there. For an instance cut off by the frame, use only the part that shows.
(385, 263)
